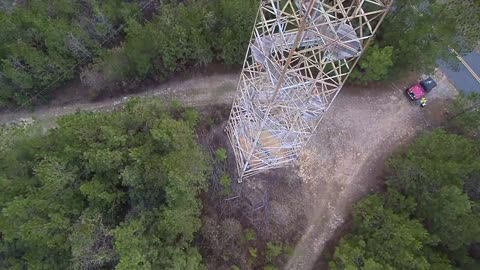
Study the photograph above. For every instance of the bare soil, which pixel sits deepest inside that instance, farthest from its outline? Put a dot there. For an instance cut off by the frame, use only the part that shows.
(309, 203)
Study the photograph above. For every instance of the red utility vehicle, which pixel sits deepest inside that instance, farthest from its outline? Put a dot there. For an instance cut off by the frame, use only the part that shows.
(421, 89)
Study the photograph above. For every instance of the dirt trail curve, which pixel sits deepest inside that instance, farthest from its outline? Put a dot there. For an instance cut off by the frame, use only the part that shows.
(197, 91)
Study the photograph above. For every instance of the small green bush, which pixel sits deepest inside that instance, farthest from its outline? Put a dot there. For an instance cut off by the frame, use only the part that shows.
(250, 235)
(253, 252)
(221, 154)
(176, 104)
(191, 116)
(226, 183)
(274, 249)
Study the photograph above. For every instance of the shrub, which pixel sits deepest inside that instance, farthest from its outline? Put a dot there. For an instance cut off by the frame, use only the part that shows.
(226, 183)
(221, 154)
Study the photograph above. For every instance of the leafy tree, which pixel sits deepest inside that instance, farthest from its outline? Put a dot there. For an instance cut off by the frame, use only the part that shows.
(382, 239)
(221, 154)
(139, 49)
(374, 66)
(448, 207)
(236, 18)
(103, 190)
(421, 31)
(433, 172)
(45, 44)
(177, 38)
(274, 249)
(92, 243)
(435, 160)
(41, 45)
(465, 115)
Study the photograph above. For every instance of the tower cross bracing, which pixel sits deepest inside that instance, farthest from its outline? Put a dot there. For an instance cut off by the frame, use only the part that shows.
(300, 55)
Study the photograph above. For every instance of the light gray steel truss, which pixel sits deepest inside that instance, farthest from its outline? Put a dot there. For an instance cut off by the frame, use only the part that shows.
(300, 55)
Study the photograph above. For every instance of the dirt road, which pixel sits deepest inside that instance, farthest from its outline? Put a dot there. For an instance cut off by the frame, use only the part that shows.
(344, 158)
(197, 91)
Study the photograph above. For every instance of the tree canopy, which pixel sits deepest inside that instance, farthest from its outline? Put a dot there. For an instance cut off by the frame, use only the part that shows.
(45, 43)
(418, 33)
(428, 218)
(422, 31)
(374, 66)
(103, 190)
(106, 43)
(383, 240)
(465, 115)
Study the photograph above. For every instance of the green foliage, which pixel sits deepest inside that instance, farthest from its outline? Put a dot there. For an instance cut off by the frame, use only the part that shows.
(448, 207)
(382, 238)
(91, 242)
(103, 190)
(397, 201)
(186, 35)
(274, 249)
(176, 104)
(45, 44)
(428, 218)
(288, 249)
(173, 40)
(139, 250)
(191, 116)
(250, 235)
(422, 31)
(253, 252)
(374, 66)
(433, 161)
(221, 154)
(434, 173)
(465, 115)
(236, 18)
(226, 182)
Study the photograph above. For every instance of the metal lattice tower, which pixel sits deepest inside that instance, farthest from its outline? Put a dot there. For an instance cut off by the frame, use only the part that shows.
(300, 55)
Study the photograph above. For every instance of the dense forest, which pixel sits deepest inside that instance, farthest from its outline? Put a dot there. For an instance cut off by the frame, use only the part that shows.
(131, 189)
(103, 190)
(46, 43)
(429, 216)
(106, 43)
